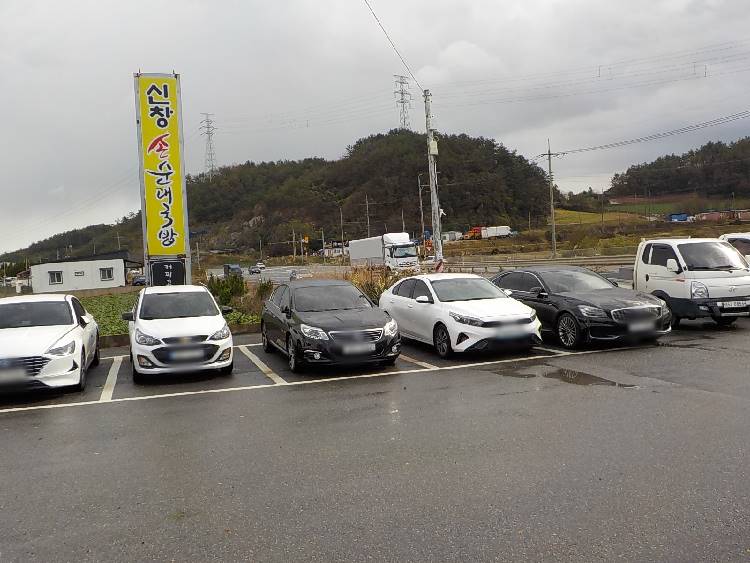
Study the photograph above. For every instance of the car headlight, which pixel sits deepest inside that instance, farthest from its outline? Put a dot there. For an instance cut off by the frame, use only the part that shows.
(65, 350)
(222, 334)
(698, 290)
(463, 319)
(588, 311)
(391, 328)
(145, 339)
(313, 332)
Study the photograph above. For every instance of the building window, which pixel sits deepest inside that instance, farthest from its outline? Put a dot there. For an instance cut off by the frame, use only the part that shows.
(106, 274)
(55, 278)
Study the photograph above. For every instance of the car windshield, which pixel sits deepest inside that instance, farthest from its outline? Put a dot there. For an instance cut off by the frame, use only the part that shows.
(561, 281)
(329, 298)
(177, 305)
(50, 313)
(404, 252)
(711, 256)
(466, 289)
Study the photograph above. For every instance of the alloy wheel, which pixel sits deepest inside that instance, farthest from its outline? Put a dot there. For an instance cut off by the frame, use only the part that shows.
(442, 342)
(292, 353)
(567, 331)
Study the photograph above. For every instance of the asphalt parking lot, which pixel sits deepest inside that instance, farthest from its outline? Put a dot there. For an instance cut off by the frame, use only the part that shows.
(631, 453)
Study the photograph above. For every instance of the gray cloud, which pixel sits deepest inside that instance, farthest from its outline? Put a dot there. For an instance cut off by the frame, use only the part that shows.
(296, 78)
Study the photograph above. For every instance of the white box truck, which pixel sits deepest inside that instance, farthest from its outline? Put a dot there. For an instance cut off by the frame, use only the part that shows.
(395, 251)
(496, 232)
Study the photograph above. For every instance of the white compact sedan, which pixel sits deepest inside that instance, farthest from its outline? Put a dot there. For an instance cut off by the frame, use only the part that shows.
(176, 329)
(46, 341)
(459, 313)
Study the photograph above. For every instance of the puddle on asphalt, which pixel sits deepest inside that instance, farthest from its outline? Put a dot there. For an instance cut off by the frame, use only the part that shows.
(562, 374)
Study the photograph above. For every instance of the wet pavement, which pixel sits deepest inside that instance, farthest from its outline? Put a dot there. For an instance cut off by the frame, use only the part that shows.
(635, 454)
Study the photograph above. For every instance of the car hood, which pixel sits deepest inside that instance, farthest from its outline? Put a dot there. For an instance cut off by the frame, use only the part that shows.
(486, 309)
(608, 299)
(354, 319)
(30, 341)
(192, 326)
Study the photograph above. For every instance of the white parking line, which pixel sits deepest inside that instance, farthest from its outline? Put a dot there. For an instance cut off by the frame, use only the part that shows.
(557, 352)
(268, 372)
(309, 381)
(109, 385)
(416, 362)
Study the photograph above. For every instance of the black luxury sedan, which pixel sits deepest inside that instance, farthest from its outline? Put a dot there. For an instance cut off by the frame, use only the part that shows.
(578, 305)
(327, 322)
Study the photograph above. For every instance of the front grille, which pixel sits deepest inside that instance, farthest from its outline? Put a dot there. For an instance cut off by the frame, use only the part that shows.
(494, 324)
(32, 365)
(372, 335)
(630, 314)
(185, 339)
(208, 352)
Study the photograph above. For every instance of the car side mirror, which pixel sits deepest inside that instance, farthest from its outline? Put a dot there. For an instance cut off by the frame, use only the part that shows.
(672, 266)
(288, 312)
(226, 310)
(128, 316)
(423, 299)
(539, 292)
(82, 322)
(507, 292)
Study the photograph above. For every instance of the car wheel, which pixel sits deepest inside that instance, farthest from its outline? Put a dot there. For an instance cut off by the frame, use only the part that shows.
(267, 346)
(137, 376)
(227, 370)
(81, 385)
(295, 365)
(723, 321)
(95, 361)
(568, 331)
(442, 341)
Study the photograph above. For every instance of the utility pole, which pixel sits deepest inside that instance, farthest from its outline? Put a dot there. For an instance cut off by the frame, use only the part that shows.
(367, 210)
(118, 240)
(294, 247)
(208, 129)
(323, 240)
(601, 203)
(260, 248)
(403, 99)
(403, 225)
(552, 201)
(341, 219)
(437, 243)
(421, 210)
(198, 254)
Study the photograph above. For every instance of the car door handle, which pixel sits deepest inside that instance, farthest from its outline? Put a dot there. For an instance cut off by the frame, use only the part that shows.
(411, 306)
(647, 277)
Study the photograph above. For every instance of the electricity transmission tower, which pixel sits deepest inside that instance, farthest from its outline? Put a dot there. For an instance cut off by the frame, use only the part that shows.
(403, 99)
(208, 129)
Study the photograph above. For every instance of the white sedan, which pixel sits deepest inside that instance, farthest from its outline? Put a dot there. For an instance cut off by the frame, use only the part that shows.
(176, 329)
(46, 341)
(459, 313)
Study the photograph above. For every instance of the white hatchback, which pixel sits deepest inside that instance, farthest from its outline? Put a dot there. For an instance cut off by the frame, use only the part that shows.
(176, 329)
(459, 313)
(46, 341)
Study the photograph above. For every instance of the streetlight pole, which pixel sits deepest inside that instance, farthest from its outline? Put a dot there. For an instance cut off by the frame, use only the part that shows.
(551, 200)
(437, 242)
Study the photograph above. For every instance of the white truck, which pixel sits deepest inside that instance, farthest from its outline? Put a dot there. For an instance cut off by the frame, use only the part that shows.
(496, 232)
(697, 278)
(395, 251)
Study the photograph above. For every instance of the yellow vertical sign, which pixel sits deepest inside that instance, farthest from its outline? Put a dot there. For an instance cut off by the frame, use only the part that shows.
(163, 202)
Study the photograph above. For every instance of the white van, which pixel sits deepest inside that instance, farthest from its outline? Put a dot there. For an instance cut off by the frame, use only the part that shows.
(741, 241)
(698, 278)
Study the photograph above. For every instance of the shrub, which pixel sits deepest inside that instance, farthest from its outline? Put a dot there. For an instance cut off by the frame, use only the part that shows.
(224, 289)
(374, 281)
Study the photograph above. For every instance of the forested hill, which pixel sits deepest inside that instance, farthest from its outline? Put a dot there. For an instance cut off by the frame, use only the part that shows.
(481, 182)
(715, 169)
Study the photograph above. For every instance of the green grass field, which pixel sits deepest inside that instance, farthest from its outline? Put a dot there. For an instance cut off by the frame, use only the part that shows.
(107, 311)
(566, 217)
(681, 205)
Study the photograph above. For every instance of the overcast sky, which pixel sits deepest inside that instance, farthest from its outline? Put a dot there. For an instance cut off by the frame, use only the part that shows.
(293, 78)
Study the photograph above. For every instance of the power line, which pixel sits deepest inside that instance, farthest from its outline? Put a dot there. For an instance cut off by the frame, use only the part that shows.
(403, 99)
(406, 66)
(208, 129)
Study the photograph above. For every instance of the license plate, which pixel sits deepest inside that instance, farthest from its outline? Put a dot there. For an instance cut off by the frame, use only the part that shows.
(187, 354)
(358, 348)
(733, 304)
(12, 375)
(642, 326)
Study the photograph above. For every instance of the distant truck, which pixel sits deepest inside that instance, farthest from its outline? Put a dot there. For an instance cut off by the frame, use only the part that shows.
(496, 232)
(232, 270)
(395, 251)
(475, 233)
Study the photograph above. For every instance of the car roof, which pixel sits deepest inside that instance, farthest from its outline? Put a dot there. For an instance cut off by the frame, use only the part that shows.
(550, 268)
(738, 235)
(444, 276)
(173, 289)
(46, 297)
(309, 282)
(680, 240)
